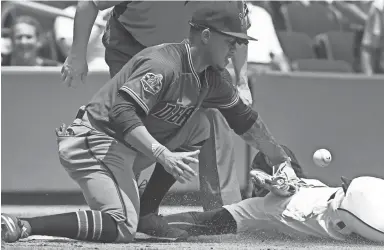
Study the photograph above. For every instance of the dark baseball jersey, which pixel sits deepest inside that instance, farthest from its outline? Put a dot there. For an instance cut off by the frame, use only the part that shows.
(163, 81)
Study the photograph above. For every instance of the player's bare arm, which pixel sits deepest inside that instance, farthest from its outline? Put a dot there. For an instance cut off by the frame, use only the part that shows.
(76, 63)
(239, 60)
(259, 137)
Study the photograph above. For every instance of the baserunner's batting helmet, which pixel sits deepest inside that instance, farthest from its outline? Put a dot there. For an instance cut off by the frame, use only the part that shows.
(362, 209)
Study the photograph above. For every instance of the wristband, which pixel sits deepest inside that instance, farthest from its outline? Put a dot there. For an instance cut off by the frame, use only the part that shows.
(157, 149)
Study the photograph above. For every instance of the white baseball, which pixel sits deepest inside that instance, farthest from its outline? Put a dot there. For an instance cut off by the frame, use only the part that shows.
(322, 158)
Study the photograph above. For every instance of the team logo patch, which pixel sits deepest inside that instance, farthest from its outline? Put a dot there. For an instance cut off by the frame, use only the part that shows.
(152, 83)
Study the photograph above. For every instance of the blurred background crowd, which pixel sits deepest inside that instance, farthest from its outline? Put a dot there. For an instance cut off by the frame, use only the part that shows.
(314, 36)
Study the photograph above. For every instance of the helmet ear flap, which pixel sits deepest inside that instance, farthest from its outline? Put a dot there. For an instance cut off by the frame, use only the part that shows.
(345, 183)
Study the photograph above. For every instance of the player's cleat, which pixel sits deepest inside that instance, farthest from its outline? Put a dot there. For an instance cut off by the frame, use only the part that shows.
(13, 229)
(157, 227)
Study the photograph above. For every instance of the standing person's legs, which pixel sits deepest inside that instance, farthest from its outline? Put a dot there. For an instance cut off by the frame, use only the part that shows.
(219, 184)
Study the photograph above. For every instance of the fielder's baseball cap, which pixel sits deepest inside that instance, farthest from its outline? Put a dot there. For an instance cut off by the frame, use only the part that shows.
(362, 209)
(225, 17)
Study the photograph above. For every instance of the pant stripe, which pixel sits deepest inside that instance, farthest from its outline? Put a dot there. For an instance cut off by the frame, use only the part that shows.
(121, 234)
(102, 164)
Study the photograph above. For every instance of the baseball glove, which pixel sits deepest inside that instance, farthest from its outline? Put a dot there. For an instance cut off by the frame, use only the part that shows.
(277, 184)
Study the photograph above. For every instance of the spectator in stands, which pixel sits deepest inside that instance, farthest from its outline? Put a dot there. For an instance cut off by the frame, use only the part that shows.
(26, 34)
(6, 46)
(266, 53)
(63, 29)
(372, 54)
(352, 15)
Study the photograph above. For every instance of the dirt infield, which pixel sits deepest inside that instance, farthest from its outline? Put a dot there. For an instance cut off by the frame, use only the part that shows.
(260, 240)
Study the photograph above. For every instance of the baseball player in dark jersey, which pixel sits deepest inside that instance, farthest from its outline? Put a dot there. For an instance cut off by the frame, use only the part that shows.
(135, 25)
(151, 111)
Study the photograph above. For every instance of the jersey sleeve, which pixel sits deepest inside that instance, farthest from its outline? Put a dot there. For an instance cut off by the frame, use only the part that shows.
(222, 93)
(225, 97)
(147, 83)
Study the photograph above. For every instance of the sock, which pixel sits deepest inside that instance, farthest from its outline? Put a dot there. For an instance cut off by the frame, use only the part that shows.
(81, 225)
(157, 187)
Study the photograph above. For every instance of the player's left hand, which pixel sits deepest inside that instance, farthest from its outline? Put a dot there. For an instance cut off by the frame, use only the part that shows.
(75, 66)
(245, 93)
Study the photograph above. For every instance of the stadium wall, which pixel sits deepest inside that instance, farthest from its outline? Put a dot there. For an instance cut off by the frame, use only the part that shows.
(34, 103)
(344, 113)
